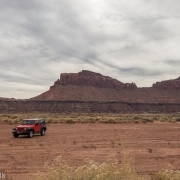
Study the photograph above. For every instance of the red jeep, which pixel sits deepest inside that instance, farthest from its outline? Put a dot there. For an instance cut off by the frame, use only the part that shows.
(30, 127)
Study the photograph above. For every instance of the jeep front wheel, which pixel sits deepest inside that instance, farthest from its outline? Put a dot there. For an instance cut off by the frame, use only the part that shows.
(42, 132)
(15, 135)
(30, 135)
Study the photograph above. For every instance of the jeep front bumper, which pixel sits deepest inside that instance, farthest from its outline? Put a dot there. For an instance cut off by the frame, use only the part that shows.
(25, 132)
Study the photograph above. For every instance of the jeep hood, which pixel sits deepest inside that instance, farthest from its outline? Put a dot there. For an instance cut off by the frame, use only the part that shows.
(24, 126)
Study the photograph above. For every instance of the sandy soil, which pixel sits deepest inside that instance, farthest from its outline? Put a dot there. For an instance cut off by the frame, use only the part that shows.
(155, 146)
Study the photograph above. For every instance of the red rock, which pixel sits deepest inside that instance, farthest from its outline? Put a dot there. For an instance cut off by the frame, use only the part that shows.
(88, 86)
(88, 91)
(88, 78)
(169, 84)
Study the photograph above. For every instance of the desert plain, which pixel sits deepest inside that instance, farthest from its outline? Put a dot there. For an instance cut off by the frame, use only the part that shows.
(154, 144)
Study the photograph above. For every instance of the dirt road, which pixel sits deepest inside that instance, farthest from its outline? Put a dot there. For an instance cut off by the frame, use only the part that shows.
(155, 146)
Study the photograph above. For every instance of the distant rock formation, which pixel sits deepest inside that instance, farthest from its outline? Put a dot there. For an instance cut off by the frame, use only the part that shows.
(88, 91)
(87, 86)
(89, 78)
(169, 84)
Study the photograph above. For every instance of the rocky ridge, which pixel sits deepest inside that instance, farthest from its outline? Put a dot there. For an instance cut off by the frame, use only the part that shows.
(173, 84)
(88, 86)
(88, 91)
(88, 78)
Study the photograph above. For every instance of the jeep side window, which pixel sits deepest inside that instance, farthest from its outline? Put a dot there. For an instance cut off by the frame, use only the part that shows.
(42, 122)
(28, 122)
(24, 122)
(37, 122)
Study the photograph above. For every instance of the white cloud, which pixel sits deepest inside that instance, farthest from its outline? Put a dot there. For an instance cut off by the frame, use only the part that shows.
(133, 41)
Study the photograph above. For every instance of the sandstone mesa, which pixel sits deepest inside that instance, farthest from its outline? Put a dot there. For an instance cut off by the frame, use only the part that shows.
(88, 91)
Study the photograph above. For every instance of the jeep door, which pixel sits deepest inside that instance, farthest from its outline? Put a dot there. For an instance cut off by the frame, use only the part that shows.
(43, 124)
(37, 126)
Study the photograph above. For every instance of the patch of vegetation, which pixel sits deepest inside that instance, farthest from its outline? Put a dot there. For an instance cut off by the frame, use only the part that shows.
(136, 117)
(48, 120)
(150, 150)
(70, 121)
(74, 142)
(6, 120)
(109, 170)
(167, 175)
(84, 146)
(178, 119)
(91, 117)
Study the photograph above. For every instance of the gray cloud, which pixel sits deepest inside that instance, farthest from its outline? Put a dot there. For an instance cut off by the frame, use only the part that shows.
(127, 41)
(172, 62)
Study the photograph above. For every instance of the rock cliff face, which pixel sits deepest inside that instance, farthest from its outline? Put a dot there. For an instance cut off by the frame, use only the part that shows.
(88, 78)
(87, 91)
(88, 86)
(169, 84)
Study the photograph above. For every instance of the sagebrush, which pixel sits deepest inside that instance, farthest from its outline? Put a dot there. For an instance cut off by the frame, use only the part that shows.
(109, 170)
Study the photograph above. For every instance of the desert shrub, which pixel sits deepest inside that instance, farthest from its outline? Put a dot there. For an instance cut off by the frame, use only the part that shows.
(165, 118)
(147, 119)
(48, 120)
(144, 120)
(128, 118)
(155, 118)
(84, 146)
(119, 119)
(136, 117)
(91, 119)
(109, 170)
(178, 119)
(6, 115)
(136, 121)
(14, 117)
(110, 121)
(10, 122)
(70, 121)
(167, 175)
(6, 120)
(16, 121)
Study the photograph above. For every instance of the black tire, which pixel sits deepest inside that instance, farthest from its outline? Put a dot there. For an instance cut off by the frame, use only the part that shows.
(15, 135)
(42, 132)
(30, 135)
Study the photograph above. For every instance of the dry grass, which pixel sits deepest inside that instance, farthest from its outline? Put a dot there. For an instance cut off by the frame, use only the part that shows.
(109, 170)
(91, 118)
(123, 169)
(114, 170)
(167, 175)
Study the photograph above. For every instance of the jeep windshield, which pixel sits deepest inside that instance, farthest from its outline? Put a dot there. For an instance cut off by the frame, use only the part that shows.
(28, 122)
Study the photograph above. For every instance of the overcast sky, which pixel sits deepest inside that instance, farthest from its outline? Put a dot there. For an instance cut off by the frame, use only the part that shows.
(133, 41)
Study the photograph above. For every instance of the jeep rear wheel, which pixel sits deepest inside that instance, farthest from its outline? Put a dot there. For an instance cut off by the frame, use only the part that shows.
(15, 135)
(42, 132)
(30, 135)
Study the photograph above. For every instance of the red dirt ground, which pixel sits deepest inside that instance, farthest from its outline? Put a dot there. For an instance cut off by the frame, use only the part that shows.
(155, 146)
